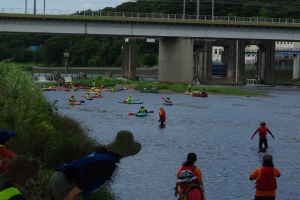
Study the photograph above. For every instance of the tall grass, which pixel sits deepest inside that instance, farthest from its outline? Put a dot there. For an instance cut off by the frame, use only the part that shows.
(41, 132)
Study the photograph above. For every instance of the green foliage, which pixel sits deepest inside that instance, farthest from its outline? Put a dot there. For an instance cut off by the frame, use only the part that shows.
(41, 132)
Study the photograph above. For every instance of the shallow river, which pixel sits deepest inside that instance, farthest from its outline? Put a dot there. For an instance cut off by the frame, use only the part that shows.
(217, 129)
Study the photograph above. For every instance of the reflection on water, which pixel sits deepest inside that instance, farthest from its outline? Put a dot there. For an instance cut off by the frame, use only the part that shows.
(217, 129)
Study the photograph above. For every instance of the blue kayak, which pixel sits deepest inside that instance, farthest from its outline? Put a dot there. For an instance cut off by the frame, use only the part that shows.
(168, 104)
(131, 102)
(141, 114)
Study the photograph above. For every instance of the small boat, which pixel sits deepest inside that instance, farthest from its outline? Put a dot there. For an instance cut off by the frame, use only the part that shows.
(89, 98)
(131, 102)
(75, 103)
(200, 95)
(146, 91)
(168, 104)
(141, 114)
(97, 96)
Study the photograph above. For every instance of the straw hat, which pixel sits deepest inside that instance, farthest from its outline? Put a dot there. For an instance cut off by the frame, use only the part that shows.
(124, 144)
(20, 169)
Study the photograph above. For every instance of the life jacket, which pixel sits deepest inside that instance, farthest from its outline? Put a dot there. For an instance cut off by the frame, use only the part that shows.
(9, 193)
(162, 114)
(168, 101)
(142, 110)
(267, 181)
(129, 99)
(79, 164)
(184, 194)
(263, 132)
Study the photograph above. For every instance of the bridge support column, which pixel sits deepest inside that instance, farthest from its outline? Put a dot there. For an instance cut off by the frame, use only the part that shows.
(266, 62)
(175, 60)
(129, 58)
(296, 71)
(241, 63)
(205, 62)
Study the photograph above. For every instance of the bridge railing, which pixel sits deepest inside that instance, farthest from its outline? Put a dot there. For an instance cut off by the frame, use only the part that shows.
(158, 16)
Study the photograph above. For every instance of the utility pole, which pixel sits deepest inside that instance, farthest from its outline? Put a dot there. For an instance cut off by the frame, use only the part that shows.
(198, 6)
(34, 7)
(25, 6)
(212, 9)
(183, 12)
(44, 6)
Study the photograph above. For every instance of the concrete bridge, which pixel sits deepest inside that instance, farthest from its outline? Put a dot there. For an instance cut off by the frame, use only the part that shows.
(185, 44)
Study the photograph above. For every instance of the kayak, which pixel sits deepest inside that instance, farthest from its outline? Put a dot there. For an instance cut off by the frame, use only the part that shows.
(141, 114)
(200, 95)
(97, 96)
(155, 92)
(131, 102)
(89, 98)
(168, 104)
(75, 103)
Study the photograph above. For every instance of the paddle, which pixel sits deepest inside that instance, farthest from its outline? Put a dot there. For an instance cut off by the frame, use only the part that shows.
(82, 101)
(132, 114)
(163, 98)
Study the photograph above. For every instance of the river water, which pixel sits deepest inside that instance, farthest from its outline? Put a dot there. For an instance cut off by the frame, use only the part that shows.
(217, 129)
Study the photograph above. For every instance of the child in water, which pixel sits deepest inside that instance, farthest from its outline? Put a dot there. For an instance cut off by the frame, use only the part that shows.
(262, 131)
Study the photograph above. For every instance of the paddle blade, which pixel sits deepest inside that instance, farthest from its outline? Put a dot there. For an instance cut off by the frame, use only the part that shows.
(131, 114)
(151, 111)
(163, 98)
(124, 101)
(82, 101)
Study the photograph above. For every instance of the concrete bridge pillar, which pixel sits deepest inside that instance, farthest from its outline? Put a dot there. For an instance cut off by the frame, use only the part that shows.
(296, 71)
(129, 58)
(205, 62)
(175, 60)
(266, 62)
(241, 80)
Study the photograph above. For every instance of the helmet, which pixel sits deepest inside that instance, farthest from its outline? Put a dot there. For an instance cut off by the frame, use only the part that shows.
(142, 106)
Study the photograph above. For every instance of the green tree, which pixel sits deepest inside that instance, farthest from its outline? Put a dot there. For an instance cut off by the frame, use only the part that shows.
(5, 52)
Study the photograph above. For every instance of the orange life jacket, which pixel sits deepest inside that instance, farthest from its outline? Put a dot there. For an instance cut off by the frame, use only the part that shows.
(267, 181)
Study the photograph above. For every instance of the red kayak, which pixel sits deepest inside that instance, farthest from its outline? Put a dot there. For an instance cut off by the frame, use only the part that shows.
(97, 96)
(200, 95)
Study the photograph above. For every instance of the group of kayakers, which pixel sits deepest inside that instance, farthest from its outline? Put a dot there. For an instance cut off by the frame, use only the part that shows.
(198, 92)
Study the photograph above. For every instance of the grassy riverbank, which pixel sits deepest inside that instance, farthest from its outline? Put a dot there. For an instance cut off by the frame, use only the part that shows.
(107, 82)
(41, 132)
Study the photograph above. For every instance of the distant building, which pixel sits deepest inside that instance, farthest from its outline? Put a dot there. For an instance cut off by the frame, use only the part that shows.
(250, 51)
(34, 48)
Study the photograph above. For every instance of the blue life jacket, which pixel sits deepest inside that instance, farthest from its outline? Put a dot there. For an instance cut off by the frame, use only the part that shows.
(93, 157)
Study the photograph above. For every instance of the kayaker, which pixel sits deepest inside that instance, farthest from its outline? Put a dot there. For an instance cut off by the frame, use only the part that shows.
(112, 89)
(129, 99)
(143, 109)
(189, 87)
(189, 164)
(262, 131)
(5, 154)
(19, 170)
(145, 89)
(98, 93)
(162, 115)
(265, 179)
(168, 100)
(94, 84)
(191, 189)
(153, 89)
(203, 91)
(75, 88)
(72, 99)
(88, 96)
(88, 174)
(197, 92)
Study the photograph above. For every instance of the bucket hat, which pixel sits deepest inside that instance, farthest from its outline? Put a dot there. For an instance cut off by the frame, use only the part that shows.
(186, 176)
(192, 157)
(5, 135)
(124, 144)
(20, 168)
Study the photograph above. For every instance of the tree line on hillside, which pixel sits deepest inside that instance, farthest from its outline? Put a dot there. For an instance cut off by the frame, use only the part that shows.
(95, 51)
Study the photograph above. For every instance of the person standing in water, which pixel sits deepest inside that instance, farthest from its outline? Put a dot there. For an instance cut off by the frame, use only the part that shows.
(262, 131)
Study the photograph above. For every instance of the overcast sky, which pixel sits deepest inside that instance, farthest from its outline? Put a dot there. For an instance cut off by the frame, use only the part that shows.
(76, 5)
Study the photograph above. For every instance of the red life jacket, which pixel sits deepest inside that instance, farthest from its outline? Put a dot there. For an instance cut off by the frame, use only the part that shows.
(267, 181)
